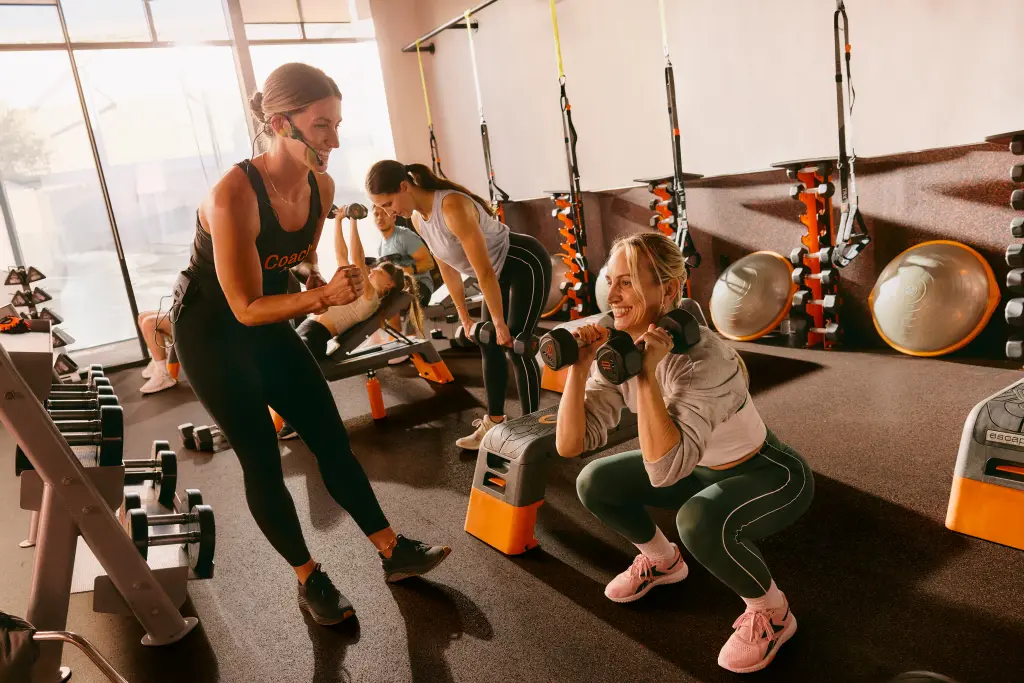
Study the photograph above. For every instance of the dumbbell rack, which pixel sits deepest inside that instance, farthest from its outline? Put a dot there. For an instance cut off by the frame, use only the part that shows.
(813, 271)
(1014, 310)
(74, 501)
(669, 207)
(576, 289)
(30, 297)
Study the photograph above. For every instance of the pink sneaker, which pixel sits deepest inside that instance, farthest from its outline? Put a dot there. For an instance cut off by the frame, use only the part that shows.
(643, 575)
(757, 638)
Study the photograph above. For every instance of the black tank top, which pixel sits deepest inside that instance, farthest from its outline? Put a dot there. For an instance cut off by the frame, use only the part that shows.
(279, 249)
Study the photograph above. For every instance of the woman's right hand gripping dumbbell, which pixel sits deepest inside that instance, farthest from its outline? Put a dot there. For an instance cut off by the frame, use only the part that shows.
(589, 338)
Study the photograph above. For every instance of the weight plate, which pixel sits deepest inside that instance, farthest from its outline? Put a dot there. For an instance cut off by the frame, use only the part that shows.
(138, 530)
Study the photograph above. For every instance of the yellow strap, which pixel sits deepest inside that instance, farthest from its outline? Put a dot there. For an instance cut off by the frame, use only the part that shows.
(558, 42)
(423, 81)
(664, 27)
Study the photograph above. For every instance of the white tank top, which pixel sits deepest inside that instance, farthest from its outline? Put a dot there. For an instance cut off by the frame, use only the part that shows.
(446, 246)
(343, 318)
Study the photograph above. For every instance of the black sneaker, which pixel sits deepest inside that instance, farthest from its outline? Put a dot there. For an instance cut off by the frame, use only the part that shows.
(412, 558)
(321, 599)
(287, 433)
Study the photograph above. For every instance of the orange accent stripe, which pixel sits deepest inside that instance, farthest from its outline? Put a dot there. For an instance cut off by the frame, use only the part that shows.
(987, 511)
(1012, 469)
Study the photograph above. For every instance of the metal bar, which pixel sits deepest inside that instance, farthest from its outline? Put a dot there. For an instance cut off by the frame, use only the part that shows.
(174, 539)
(85, 646)
(134, 45)
(302, 20)
(103, 183)
(12, 234)
(149, 20)
(75, 496)
(411, 47)
(246, 76)
(51, 578)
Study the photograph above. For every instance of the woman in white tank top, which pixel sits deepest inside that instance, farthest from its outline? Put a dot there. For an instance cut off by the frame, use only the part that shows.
(318, 329)
(513, 271)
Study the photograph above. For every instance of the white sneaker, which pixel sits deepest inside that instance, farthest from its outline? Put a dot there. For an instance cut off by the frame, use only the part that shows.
(473, 441)
(147, 371)
(160, 380)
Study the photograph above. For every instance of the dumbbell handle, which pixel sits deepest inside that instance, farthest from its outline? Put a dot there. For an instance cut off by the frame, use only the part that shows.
(139, 464)
(66, 426)
(83, 645)
(174, 539)
(74, 414)
(86, 438)
(166, 520)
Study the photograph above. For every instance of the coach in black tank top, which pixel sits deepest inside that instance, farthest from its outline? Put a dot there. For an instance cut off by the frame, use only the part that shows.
(232, 336)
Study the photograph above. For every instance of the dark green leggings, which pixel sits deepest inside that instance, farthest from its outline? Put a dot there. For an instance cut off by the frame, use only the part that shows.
(721, 512)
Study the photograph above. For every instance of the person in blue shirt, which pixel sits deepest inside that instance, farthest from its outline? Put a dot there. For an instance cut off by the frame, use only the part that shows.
(405, 249)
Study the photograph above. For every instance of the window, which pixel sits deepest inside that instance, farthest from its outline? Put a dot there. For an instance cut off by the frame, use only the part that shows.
(106, 20)
(189, 20)
(272, 31)
(23, 24)
(365, 131)
(169, 123)
(56, 206)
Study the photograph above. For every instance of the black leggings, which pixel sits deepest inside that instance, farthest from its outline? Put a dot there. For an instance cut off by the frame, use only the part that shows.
(237, 371)
(525, 280)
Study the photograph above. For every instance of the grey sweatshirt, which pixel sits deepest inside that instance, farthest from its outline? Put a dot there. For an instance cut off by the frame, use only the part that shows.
(704, 392)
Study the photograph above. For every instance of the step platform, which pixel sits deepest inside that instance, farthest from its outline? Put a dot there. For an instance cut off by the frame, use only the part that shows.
(987, 497)
(511, 477)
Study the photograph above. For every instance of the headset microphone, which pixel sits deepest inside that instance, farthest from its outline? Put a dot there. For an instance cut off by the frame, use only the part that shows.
(296, 135)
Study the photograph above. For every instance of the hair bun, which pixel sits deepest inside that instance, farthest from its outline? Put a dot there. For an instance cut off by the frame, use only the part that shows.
(256, 105)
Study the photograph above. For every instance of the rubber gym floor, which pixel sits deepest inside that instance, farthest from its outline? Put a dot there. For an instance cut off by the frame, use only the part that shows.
(878, 584)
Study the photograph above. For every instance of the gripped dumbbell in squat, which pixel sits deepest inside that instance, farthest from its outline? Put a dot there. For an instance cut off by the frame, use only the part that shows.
(199, 539)
(620, 358)
(560, 348)
(485, 334)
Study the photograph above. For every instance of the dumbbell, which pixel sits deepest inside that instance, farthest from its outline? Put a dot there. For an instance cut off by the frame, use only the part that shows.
(829, 304)
(356, 210)
(800, 327)
(1017, 145)
(1015, 346)
(161, 471)
(1015, 255)
(828, 276)
(1017, 200)
(560, 348)
(657, 203)
(101, 390)
(658, 219)
(486, 335)
(1015, 281)
(198, 540)
(109, 422)
(1014, 312)
(92, 379)
(198, 438)
(824, 255)
(824, 190)
(93, 404)
(619, 358)
(1017, 173)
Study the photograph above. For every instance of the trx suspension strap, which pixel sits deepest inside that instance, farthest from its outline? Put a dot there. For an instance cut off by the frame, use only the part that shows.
(570, 207)
(435, 158)
(678, 191)
(497, 195)
(852, 236)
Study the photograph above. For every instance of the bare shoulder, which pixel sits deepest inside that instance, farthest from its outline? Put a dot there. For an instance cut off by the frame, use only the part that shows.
(325, 183)
(459, 212)
(232, 197)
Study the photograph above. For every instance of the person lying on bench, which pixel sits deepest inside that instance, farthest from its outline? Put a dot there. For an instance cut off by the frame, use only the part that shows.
(317, 330)
(704, 453)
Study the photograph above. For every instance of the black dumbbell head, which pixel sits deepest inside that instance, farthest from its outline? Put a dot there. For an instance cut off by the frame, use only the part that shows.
(795, 190)
(200, 552)
(1017, 226)
(559, 348)
(138, 529)
(168, 478)
(158, 445)
(799, 273)
(1015, 281)
(1017, 145)
(112, 422)
(1017, 200)
(683, 327)
(187, 433)
(801, 298)
(829, 277)
(192, 498)
(618, 359)
(798, 327)
(796, 257)
(833, 332)
(830, 303)
(1015, 347)
(1017, 173)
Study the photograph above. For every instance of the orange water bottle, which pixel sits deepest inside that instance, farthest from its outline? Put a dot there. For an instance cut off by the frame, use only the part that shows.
(375, 395)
